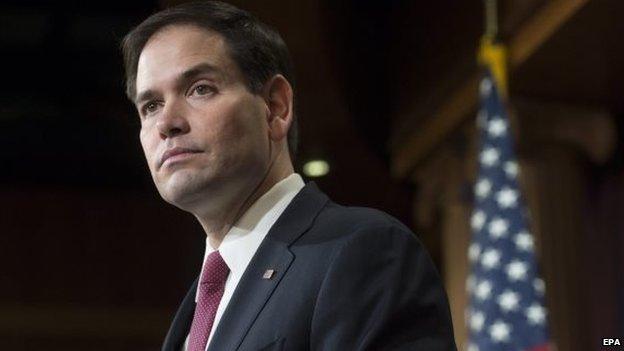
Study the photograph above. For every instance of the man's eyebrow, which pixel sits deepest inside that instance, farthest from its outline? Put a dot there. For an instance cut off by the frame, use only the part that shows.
(144, 95)
(198, 69)
(201, 68)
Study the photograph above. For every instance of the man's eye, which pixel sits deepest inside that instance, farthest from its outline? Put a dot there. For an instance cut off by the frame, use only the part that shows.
(150, 107)
(203, 89)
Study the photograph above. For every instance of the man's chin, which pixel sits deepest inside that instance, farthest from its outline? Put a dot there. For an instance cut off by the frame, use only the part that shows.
(182, 193)
(198, 191)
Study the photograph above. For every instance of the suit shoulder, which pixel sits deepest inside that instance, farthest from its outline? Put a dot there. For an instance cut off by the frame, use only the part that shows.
(338, 223)
(360, 217)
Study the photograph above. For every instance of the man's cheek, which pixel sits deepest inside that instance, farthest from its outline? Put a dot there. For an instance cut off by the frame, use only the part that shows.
(149, 151)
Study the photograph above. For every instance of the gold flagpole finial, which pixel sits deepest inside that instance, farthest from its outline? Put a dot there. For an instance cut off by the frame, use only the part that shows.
(492, 54)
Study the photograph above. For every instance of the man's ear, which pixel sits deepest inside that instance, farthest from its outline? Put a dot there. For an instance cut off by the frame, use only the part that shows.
(278, 95)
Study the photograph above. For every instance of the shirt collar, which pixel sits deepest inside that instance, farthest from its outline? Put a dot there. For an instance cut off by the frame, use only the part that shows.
(243, 239)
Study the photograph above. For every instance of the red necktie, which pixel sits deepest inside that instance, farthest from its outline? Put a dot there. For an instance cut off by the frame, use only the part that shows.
(211, 289)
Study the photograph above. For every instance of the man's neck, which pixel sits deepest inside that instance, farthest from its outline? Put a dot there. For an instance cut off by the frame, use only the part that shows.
(218, 225)
(217, 228)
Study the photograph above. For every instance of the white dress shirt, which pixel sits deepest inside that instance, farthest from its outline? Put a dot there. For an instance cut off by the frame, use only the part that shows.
(242, 241)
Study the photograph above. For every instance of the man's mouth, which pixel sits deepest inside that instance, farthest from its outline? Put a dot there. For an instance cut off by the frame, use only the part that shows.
(176, 154)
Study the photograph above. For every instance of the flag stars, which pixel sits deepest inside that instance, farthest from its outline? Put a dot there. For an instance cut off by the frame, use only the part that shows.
(483, 188)
(517, 270)
(536, 314)
(490, 258)
(507, 197)
(485, 87)
(511, 169)
(539, 286)
(506, 308)
(483, 290)
(477, 221)
(500, 331)
(498, 228)
(474, 250)
(489, 156)
(477, 320)
(524, 241)
(497, 127)
(470, 283)
(508, 301)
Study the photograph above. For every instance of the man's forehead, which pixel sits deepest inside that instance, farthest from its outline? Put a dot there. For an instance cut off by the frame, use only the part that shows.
(183, 45)
(178, 50)
(183, 33)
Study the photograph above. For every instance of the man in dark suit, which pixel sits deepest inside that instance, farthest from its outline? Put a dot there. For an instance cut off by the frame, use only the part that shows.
(285, 268)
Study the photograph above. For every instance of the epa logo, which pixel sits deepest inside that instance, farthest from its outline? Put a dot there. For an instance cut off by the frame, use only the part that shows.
(611, 342)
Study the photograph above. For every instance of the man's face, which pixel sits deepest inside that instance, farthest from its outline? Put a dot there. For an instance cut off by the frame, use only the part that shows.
(204, 134)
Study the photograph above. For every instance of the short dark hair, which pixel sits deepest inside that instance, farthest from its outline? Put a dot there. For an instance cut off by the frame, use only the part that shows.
(257, 49)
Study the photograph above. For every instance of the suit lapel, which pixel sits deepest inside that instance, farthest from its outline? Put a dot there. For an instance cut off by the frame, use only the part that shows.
(254, 290)
(250, 296)
(181, 322)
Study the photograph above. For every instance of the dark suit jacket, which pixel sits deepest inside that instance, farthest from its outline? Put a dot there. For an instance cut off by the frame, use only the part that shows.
(345, 279)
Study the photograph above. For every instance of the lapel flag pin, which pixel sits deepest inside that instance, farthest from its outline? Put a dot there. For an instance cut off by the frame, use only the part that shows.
(268, 274)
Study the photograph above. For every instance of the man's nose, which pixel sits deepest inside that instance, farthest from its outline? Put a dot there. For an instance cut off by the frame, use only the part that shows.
(172, 121)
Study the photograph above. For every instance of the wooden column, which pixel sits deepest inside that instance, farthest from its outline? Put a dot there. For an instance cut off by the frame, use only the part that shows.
(442, 210)
(455, 240)
(559, 144)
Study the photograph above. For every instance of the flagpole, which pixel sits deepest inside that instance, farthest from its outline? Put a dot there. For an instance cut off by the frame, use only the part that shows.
(491, 19)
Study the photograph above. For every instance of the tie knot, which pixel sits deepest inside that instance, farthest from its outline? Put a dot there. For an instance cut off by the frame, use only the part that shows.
(215, 269)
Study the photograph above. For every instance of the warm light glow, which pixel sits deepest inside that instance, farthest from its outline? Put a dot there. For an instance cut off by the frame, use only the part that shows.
(316, 168)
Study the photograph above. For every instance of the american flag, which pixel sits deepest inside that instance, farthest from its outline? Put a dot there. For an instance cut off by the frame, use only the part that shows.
(506, 310)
